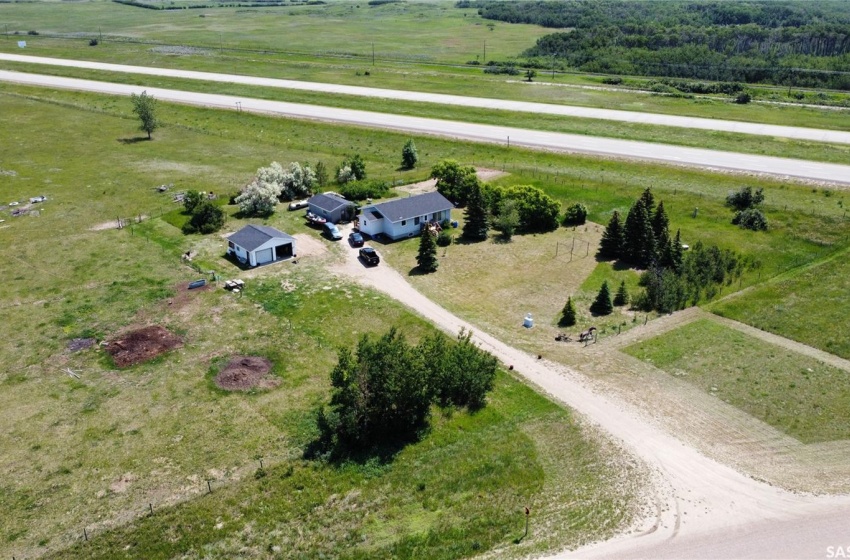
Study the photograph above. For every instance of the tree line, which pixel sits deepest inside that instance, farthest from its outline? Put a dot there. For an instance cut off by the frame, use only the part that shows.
(673, 278)
(805, 44)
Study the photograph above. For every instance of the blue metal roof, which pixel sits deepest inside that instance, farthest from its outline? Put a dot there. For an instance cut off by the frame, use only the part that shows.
(252, 236)
(418, 205)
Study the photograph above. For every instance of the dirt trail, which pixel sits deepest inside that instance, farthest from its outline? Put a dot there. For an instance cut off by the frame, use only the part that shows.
(698, 499)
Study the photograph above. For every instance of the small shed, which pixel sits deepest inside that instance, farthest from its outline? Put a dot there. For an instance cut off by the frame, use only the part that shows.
(331, 206)
(404, 217)
(255, 245)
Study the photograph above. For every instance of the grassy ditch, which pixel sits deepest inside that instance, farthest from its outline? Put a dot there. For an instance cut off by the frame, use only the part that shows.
(796, 394)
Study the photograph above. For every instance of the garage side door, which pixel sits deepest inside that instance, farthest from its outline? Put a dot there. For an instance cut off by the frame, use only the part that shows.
(264, 256)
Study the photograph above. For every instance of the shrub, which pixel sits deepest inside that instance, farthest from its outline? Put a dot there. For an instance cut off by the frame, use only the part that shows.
(445, 238)
(745, 198)
(575, 215)
(93, 42)
(361, 190)
(751, 218)
(206, 218)
(743, 98)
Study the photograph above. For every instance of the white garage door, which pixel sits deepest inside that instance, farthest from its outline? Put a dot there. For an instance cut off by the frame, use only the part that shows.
(264, 256)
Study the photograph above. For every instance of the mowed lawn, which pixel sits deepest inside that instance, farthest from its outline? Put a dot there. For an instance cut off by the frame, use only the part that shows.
(88, 449)
(799, 395)
(808, 305)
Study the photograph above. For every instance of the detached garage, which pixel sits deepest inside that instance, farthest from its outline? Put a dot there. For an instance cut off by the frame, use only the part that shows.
(255, 245)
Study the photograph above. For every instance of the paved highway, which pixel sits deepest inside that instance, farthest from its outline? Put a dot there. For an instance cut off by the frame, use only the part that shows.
(800, 133)
(535, 139)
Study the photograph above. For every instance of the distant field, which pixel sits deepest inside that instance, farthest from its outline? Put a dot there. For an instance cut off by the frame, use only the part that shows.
(796, 394)
(807, 305)
(415, 31)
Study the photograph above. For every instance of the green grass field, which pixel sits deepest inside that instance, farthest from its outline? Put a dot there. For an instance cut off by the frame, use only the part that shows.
(806, 304)
(91, 452)
(794, 393)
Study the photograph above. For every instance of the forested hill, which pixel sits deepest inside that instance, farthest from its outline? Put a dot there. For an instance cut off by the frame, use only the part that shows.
(789, 42)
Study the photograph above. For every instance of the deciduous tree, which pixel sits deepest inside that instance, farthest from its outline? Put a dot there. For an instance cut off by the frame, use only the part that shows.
(144, 106)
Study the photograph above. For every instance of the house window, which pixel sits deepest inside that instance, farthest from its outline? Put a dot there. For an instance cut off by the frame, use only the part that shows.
(404, 222)
(231, 245)
(416, 221)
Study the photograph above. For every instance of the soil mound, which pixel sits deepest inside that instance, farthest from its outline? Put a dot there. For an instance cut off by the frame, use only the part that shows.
(142, 345)
(245, 372)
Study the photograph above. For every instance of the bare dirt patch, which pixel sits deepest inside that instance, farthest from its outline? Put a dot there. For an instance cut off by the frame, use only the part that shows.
(246, 372)
(77, 344)
(308, 246)
(184, 295)
(116, 224)
(142, 345)
(431, 184)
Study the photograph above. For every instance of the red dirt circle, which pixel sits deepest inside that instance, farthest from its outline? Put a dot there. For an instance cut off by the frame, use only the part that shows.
(246, 372)
(142, 345)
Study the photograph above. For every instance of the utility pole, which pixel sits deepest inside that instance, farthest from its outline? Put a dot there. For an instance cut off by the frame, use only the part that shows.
(373, 54)
(484, 60)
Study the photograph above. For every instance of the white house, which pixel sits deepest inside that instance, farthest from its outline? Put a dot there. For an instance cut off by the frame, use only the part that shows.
(404, 217)
(255, 245)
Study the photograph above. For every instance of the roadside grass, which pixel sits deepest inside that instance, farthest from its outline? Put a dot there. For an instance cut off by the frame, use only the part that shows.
(807, 304)
(429, 72)
(458, 492)
(796, 394)
(93, 451)
(705, 139)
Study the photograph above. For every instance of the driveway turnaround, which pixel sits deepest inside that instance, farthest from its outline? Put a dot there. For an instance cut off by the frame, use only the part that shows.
(799, 133)
(704, 509)
(534, 139)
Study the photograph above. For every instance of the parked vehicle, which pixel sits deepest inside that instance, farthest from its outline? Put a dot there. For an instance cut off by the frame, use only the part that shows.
(314, 220)
(369, 256)
(355, 239)
(332, 231)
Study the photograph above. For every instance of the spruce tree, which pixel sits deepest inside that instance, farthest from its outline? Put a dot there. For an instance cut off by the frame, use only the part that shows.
(622, 297)
(649, 201)
(475, 217)
(409, 157)
(613, 239)
(602, 304)
(427, 257)
(660, 224)
(676, 253)
(640, 247)
(568, 314)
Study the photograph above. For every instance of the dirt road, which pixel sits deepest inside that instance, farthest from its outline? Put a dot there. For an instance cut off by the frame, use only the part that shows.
(704, 509)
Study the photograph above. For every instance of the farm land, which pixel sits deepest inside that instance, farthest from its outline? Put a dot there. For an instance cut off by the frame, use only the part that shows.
(155, 460)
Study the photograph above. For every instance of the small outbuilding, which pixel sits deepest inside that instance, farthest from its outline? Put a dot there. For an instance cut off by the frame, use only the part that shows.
(331, 206)
(404, 217)
(255, 245)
